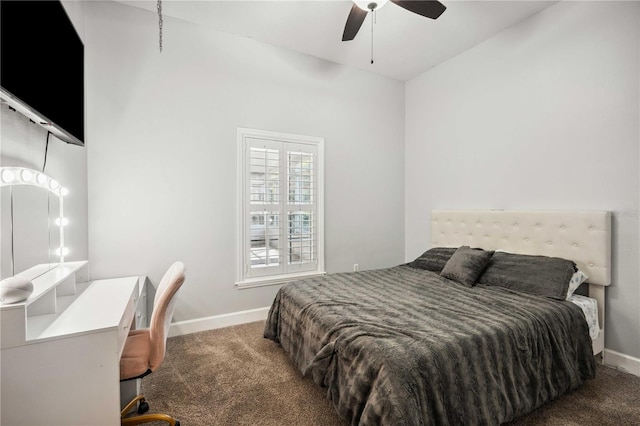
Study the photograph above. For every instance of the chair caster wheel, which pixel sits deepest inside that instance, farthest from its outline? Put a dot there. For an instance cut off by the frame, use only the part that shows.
(143, 407)
(177, 423)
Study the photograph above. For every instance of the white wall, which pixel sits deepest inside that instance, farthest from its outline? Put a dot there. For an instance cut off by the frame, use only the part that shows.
(542, 116)
(76, 12)
(162, 157)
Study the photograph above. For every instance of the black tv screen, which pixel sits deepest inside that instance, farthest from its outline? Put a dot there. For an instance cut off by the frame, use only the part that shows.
(42, 66)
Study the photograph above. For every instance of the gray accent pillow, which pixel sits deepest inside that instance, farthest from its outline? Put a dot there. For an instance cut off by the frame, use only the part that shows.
(466, 265)
(433, 259)
(539, 275)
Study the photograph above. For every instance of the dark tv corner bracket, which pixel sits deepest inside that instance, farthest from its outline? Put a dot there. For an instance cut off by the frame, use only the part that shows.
(33, 115)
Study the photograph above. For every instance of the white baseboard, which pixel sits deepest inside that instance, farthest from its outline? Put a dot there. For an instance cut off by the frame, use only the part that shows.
(217, 321)
(623, 362)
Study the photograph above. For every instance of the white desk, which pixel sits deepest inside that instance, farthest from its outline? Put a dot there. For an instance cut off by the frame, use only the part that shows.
(61, 348)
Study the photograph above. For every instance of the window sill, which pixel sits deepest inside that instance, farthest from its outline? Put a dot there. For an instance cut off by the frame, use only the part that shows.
(276, 279)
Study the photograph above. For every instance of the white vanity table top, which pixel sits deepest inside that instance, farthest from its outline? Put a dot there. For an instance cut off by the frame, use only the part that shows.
(60, 307)
(98, 307)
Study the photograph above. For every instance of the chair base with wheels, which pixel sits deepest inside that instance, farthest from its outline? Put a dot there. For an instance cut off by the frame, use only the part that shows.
(143, 407)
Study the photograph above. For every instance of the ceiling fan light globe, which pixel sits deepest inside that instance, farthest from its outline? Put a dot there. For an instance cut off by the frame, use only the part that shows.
(370, 4)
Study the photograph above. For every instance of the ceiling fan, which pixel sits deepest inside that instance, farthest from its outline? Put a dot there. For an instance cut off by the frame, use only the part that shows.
(427, 8)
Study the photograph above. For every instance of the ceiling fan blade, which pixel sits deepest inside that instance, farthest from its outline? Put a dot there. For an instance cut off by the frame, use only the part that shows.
(428, 8)
(354, 22)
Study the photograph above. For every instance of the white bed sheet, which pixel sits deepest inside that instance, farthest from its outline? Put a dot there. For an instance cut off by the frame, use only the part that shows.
(590, 308)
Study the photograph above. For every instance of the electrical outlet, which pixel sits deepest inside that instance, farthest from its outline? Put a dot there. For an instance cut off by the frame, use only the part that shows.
(356, 267)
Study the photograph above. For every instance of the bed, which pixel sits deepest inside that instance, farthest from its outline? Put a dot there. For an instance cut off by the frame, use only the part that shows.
(405, 346)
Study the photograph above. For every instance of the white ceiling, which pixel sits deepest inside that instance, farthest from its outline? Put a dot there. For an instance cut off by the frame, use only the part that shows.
(405, 44)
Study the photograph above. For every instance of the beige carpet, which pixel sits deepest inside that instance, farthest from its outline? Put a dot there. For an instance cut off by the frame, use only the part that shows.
(233, 376)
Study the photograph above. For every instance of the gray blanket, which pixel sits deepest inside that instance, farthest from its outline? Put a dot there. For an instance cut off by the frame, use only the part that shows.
(403, 346)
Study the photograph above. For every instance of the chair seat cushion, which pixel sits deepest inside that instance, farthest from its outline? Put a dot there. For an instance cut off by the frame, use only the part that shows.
(135, 355)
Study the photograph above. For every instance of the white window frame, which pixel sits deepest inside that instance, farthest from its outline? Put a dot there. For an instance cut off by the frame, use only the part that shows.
(243, 207)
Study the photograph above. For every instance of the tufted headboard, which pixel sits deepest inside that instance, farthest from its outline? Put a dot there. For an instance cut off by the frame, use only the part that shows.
(581, 236)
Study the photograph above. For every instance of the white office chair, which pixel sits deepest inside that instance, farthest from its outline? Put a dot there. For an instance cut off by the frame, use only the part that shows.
(144, 349)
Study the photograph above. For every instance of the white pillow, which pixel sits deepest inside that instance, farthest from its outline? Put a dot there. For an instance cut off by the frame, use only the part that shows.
(577, 278)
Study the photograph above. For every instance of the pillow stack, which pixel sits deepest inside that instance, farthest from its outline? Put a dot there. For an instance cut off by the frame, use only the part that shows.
(544, 276)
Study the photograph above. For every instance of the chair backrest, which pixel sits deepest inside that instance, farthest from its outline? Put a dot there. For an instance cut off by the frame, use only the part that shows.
(163, 306)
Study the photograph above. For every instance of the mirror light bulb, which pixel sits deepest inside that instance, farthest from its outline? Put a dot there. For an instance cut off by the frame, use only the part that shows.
(62, 251)
(64, 191)
(54, 184)
(41, 179)
(26, 175)
(62, 221)
(8, 176)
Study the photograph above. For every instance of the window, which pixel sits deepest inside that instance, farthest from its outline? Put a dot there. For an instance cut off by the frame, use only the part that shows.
(280, 205)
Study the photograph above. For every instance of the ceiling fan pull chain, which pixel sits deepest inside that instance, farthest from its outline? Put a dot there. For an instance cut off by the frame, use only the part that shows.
(159, 6)
(373, 20)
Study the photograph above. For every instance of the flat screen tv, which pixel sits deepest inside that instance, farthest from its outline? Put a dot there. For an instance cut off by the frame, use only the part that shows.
(42, 66)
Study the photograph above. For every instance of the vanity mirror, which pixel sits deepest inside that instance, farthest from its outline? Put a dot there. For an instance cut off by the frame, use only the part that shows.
(32, 225)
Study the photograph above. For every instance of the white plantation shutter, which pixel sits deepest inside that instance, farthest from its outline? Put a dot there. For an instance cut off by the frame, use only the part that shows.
(264, 207)
(281, 213)
(301, 211)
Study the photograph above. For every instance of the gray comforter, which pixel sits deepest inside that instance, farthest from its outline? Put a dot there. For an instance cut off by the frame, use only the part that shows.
(403, 346)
